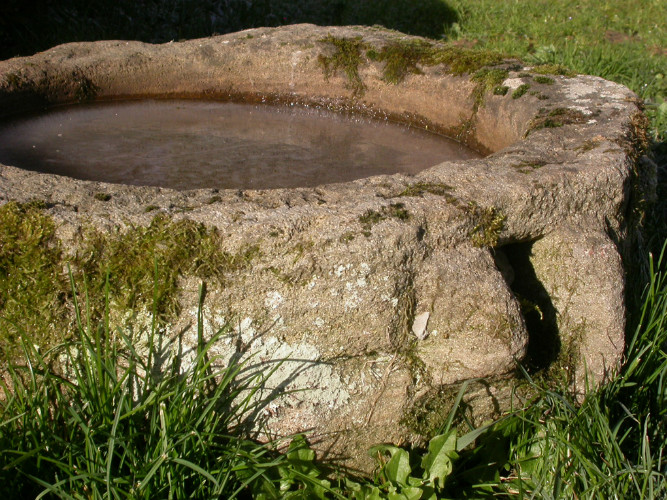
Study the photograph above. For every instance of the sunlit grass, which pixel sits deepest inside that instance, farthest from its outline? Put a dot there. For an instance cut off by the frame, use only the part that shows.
(95, 418)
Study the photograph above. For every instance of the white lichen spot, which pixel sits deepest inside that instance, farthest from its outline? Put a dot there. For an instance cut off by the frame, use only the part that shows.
(352, 301)
(319, 322)
(582, 109)
(340, 270)
(273, 300)
(576, 89)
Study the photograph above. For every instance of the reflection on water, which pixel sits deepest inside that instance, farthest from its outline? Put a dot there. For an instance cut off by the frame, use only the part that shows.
(206, 144)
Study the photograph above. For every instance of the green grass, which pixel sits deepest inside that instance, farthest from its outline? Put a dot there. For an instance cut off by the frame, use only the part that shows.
(613, 39)
(116, 423)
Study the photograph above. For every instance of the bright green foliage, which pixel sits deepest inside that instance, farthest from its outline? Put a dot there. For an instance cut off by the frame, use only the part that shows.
(403, 476)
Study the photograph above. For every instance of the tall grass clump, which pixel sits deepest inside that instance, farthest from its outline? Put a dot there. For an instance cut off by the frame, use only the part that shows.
(94, 418)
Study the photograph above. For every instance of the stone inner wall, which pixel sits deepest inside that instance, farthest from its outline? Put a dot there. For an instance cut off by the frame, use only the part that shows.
(385, 293)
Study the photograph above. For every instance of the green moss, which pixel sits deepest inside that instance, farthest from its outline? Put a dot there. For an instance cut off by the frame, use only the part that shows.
(487, 80)
(401, 58)
(33, 286)
(150, 208)
(556, 118)
(371, 217)
(419, 188)
(520, 90)
(102, 196)
(213, 199)
(545, 80)
(554, 69)
(347, 57)
(461, 60)
(488, 224)
(177, 248)
(346, 237)
(500, 90)
(529, 165)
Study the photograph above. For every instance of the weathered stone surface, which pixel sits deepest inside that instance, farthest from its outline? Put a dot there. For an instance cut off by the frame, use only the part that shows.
(384, 291)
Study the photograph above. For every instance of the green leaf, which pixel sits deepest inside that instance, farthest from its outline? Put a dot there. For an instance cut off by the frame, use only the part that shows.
(412, 493)
(299, 451)
(437, 463)
(398, 468)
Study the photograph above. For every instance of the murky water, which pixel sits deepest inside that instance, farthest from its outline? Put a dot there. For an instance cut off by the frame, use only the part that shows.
(205, 144)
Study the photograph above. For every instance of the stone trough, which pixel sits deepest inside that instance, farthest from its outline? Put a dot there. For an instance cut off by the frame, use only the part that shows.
(385, 293)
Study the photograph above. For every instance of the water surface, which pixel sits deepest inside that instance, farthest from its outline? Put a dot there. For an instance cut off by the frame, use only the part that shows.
(207, 144)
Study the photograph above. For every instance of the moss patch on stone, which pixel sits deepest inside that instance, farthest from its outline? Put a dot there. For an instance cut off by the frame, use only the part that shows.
(143, 266)
(419, 188)
(401, 58)
(131, 258)
(404, 57)
(556, 118)
(545, 80)
(347, 57)
(520, 90)
(371, 217)
(33, 284)
(488, 224)
(553, 69)
(488, 80)
(102, 196)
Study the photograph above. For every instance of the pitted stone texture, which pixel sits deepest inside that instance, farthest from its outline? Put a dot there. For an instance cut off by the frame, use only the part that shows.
(376, 287)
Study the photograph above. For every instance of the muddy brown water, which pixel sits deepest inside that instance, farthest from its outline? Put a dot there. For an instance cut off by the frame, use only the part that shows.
(205, 144)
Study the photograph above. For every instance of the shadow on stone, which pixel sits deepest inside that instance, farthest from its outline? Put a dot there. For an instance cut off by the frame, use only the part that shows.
(544, 343)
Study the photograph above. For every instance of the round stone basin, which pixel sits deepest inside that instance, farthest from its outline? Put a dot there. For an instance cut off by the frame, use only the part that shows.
(375, 288)
(188, 144)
